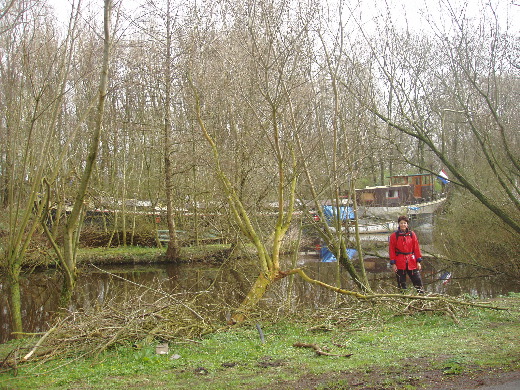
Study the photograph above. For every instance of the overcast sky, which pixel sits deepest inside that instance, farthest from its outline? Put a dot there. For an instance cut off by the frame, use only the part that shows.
(404, 13)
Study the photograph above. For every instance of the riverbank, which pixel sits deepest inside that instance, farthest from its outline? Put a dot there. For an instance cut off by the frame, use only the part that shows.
(127, 255)
(354, 345)
(149, 255)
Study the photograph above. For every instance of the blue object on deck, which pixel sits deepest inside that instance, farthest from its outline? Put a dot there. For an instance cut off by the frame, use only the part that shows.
(345, 213)
(326, 256)
(445, 277)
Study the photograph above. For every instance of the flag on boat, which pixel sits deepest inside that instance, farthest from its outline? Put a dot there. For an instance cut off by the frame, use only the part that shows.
(443, 176)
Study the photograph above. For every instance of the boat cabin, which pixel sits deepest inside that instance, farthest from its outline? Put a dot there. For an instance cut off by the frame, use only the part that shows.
(421, 184)
(403, 190)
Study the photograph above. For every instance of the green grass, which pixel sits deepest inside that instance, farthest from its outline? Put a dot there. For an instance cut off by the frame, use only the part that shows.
(235, 358)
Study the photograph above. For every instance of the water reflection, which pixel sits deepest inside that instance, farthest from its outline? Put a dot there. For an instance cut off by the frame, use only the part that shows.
(222, 286)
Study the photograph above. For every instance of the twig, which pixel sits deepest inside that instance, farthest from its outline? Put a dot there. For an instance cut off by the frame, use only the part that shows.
(318, 350)
(41, 340)
(113, 338)
(151, 289)
(321, 327)
(5, 362)
(361, 296)
(452, 315)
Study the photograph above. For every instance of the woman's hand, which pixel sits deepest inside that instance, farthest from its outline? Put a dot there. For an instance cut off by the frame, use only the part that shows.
(394, 267)
(419, 266)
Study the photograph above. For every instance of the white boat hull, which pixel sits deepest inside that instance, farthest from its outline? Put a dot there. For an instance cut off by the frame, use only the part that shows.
(371, 228)
(394, 212)
(383, 227)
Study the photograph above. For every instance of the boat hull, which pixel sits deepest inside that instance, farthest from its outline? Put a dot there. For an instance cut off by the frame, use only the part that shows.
(394, 211)
(373, 228)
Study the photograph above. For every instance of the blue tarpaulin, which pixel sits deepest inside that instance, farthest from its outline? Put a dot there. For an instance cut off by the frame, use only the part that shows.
(345, 213)
(326, 256)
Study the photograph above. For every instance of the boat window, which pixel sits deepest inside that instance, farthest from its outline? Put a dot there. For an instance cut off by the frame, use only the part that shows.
(396, 180)
(392, 194)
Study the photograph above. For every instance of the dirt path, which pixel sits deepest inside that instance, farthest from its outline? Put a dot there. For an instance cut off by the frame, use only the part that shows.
(483, 381)
(423, 380)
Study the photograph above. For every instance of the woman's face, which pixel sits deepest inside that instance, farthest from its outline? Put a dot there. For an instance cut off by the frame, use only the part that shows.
(403, 225)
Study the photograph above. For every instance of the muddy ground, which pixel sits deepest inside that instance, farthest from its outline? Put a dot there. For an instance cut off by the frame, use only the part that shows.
(411, 377)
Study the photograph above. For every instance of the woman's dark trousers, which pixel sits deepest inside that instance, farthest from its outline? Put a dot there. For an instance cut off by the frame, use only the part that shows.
(415, 277)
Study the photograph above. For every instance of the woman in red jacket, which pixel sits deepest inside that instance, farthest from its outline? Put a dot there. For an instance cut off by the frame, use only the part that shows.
(405, 255)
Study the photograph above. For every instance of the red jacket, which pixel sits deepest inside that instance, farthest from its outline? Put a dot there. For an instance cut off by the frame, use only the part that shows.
(404, 250)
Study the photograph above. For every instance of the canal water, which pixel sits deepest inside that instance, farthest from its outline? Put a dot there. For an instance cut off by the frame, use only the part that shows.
(226, 284)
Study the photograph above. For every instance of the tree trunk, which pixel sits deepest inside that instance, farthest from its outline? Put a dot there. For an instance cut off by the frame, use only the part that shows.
(252, 298)
(71, 231)
(13, 280)
(173, 250)
(68, 265)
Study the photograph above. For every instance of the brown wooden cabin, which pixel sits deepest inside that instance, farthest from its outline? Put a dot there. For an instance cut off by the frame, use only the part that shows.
(403, 190)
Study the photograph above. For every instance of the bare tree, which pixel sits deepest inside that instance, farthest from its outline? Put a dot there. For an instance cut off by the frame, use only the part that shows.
(68, 253)
(173, 250)
(272, 61)
(34, 89)
(340, 140)
(463, 71)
